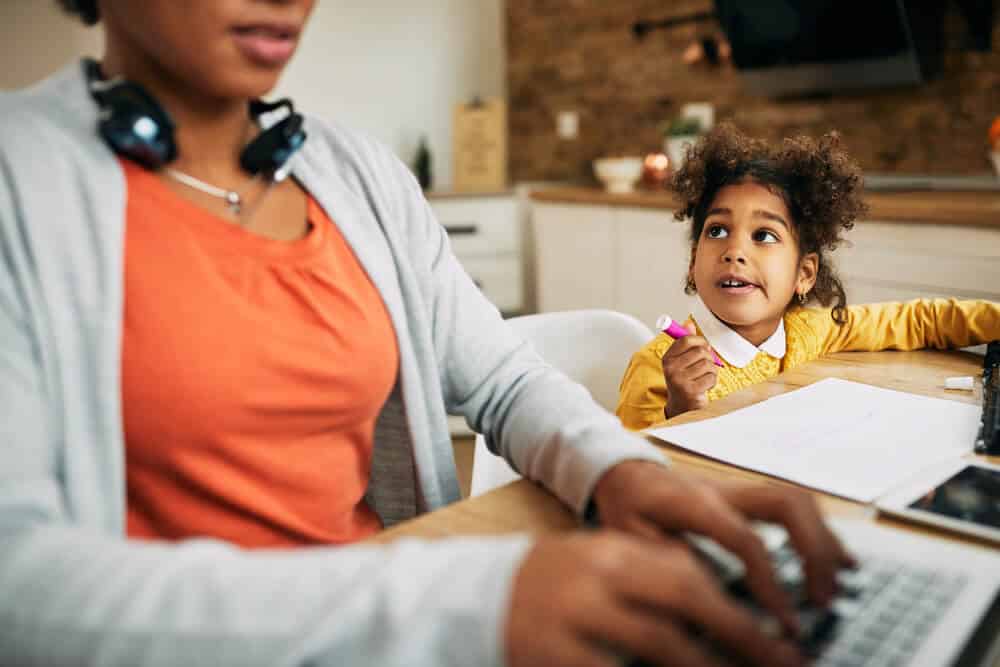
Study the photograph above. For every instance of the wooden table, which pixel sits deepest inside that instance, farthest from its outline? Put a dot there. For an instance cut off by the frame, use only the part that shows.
(523, 506)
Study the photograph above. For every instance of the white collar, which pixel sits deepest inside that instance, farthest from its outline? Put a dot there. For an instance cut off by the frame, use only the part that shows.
(734, 348)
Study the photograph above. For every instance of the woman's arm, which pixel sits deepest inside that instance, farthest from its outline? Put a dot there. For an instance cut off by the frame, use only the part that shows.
(545, 425)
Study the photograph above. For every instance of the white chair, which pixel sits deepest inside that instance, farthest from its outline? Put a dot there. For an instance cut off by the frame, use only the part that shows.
(592, 347)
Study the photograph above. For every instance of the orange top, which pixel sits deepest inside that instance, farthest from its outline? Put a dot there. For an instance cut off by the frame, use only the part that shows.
(252, 374)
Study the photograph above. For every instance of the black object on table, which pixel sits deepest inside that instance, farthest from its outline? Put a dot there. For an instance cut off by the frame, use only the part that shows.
(988, 440)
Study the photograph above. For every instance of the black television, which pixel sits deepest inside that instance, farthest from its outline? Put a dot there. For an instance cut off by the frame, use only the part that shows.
(801, 47)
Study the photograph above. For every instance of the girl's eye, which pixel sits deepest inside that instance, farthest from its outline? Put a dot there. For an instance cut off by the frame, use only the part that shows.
(716, 232)
(765, 236)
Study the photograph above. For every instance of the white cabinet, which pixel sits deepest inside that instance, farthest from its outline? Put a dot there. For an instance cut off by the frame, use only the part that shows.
(486, 234)
(627, 259)
(652, 258)
(634, 260)
(892, 261)
(574, 250)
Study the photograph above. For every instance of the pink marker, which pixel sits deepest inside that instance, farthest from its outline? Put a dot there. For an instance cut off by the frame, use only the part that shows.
(676, 331)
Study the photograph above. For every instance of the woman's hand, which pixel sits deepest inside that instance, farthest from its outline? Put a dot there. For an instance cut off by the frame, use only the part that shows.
(690, 371)
(585, 599)
(655, 501)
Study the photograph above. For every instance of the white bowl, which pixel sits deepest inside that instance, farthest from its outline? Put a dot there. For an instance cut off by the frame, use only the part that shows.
(619, 174)
(676, 148)
(995, 156)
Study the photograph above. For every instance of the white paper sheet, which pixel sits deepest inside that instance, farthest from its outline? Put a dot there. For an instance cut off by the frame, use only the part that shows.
(846, 438)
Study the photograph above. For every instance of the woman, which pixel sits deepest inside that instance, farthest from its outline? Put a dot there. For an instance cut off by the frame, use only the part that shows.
(197, 357)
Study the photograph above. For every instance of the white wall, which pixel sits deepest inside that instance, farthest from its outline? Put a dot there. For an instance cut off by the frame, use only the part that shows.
(396, 68)
(392, 68)
(36, 38)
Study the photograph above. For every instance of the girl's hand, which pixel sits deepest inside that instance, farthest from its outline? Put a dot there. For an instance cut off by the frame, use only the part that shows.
(690, 371)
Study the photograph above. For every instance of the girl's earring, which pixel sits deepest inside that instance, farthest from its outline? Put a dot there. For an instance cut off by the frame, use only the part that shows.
(689, 287)
(803, 297)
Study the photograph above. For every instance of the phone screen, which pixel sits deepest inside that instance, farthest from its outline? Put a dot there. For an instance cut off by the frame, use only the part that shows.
(972, 494)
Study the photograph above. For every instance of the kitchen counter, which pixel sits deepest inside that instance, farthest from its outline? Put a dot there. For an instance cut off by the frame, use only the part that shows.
(460, 194)
(934, 207)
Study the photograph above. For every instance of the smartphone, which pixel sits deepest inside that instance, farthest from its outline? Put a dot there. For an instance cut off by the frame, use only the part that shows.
(961, 495)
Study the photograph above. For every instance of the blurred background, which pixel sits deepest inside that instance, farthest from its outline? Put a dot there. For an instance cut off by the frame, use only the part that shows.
(580, 55)
(395, 69)
(544, 130)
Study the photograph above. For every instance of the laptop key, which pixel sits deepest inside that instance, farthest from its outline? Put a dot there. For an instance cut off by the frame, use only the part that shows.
(822, 630)
(846, 607)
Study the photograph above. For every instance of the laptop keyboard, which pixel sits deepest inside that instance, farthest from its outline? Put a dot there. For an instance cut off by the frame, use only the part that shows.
(881, 614)
(883, 610)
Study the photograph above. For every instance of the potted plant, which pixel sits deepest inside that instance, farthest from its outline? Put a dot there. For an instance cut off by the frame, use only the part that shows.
(678, 134)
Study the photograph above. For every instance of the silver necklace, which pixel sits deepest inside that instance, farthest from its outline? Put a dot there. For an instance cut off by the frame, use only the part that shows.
(233, 198)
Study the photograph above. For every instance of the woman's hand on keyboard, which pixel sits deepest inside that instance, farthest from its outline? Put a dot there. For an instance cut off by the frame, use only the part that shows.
(655, 501)
(588, 598)
(821, 552)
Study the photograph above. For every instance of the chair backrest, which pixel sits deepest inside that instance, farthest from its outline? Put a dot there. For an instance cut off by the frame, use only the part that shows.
(592, 347)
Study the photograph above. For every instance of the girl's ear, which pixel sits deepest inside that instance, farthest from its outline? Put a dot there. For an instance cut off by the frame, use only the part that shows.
(689, 285)
(808, 270)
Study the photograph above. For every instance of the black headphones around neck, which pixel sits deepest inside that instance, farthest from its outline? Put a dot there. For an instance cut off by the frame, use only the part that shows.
(134, 124)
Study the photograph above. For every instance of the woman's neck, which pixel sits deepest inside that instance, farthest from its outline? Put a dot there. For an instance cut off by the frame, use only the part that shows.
(209, 132)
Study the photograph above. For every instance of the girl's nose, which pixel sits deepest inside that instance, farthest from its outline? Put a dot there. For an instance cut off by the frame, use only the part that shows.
(734, 255)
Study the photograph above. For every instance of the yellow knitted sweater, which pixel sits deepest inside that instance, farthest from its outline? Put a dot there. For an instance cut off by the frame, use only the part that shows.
(810, 333)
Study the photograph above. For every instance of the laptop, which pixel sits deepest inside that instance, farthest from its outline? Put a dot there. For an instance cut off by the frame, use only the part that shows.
(914, 601)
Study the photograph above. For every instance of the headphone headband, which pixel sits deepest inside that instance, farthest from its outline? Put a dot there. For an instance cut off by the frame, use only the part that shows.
(134, 124)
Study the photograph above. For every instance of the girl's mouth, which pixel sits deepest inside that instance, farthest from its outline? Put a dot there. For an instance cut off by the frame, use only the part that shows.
(736, 286)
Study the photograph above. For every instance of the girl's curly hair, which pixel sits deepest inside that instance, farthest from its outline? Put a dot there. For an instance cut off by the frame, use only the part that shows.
(819, 183)
(85, 9)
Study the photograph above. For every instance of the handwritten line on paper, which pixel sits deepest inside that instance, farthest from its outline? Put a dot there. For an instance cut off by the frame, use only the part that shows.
(846, 438)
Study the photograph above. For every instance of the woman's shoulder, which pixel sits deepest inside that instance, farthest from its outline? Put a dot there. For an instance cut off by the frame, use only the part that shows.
(56, 111)
(361, 161)
(340, 158)
(347, 144)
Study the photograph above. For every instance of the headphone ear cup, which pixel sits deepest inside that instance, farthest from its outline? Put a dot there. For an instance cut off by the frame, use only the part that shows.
(274, 146)
(136, 126)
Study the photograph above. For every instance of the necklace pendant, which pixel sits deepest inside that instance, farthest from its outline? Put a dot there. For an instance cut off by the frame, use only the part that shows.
(233, 199)
(234, 202)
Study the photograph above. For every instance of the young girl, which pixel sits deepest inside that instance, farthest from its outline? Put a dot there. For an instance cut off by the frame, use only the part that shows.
(764, 220)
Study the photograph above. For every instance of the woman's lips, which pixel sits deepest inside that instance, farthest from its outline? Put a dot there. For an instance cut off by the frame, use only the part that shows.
(269, 47)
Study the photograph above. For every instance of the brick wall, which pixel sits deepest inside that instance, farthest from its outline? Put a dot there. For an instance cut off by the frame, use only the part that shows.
(580, 55)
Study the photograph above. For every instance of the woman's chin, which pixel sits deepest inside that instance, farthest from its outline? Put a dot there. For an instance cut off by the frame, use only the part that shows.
(241, 82)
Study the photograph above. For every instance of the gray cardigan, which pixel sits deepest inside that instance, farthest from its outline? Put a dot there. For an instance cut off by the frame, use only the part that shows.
(74, 591)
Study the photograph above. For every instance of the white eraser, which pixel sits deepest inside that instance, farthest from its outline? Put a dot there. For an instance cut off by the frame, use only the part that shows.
(963, 382)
